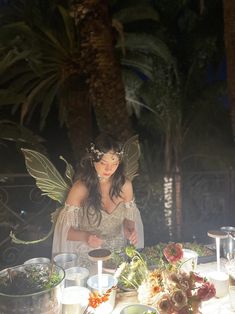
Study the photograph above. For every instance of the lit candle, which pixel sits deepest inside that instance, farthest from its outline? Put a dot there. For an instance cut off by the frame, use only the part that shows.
(217, 240)
(100, 265)
(217, 235)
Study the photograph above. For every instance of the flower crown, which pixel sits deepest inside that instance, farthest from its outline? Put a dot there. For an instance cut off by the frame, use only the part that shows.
(98, 153)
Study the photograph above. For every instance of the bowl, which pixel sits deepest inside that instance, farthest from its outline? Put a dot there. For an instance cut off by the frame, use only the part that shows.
(103, 283)
(189, 260)
(66, 260)
(138, 309)
(76, 276)
(37, 260)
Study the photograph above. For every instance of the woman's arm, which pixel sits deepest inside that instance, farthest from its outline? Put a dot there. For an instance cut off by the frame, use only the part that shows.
(129, 224)
(132, 216)
(76, 197)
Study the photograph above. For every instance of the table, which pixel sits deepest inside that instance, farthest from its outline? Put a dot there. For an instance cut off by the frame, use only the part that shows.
(213, 306)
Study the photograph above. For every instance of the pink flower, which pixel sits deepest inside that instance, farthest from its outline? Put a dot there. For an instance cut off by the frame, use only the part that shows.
(196, 277)
(206, 291)
(164, 305)
(173, 252)
(179, 299)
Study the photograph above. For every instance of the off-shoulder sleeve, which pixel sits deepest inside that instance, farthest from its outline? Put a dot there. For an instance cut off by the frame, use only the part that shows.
(133, 213)
(68, 217)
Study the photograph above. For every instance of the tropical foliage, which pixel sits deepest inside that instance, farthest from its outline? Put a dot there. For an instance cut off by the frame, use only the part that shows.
(61, 52)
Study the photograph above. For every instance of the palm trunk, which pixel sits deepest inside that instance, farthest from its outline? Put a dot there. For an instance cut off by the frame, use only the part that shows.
(79, 121)
(106, 89)
(229, 37)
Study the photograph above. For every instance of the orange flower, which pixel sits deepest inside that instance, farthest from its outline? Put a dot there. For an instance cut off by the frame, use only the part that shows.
(95, 299)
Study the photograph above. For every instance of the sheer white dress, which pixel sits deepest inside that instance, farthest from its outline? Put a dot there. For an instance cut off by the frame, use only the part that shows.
(110, 230)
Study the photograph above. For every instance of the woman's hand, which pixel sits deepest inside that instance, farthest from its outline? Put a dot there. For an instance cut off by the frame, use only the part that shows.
(131, 235)
(94, 241)
(130, 231)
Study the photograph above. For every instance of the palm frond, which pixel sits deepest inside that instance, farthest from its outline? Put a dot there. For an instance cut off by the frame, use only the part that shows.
(9, 97)
(47, 102)
(136, 13)
(140, 63)
(68, 25)
(148, 44)
(33, 94)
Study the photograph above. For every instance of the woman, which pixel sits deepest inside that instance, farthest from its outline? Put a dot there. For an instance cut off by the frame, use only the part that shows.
(100, 210)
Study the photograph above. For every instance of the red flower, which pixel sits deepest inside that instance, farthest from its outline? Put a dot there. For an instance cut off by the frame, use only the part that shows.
(206, 291)
(173, 252)
(196, 277)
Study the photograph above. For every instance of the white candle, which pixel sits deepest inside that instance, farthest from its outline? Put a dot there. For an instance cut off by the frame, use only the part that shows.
(100, 265)
(218, 253)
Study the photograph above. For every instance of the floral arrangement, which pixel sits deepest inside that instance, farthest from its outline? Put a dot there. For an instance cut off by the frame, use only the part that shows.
(171, 290)
(95, 299)
(168, 288)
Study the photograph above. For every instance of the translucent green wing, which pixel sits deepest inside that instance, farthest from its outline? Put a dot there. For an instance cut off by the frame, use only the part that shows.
(48, 179)
(50, 182)
(131, 157)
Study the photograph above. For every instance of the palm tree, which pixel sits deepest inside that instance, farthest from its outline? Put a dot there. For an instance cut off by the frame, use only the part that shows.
(73, 61)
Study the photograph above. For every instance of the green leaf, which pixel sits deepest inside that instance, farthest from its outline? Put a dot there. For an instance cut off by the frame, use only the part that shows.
(148, 44)
(68, 25)
(31, 97)
(12, 131)
(48, 179)
(50, 95)
(11, 58)
(140, 63)
(137, 13)
(131, 157)
(9, 97)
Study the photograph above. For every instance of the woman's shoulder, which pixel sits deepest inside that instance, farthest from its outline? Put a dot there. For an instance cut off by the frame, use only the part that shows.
(127, 191)
(77, 193)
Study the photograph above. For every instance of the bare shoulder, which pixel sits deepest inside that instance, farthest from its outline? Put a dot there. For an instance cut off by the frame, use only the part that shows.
(127, 191)
(77, 194)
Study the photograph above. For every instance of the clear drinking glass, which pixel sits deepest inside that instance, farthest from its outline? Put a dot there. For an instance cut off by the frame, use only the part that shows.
(230, 268)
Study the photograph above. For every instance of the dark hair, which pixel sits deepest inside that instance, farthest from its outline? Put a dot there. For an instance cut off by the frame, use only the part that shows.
(93, 204)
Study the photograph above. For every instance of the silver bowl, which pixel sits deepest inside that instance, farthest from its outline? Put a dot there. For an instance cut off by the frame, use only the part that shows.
(37, 260)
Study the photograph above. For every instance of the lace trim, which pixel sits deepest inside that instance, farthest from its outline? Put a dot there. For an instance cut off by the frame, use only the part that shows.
(131, 209)
(130, 204)
(70, 215)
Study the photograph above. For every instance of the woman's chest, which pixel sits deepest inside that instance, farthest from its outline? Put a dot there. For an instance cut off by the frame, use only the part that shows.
(109, 205)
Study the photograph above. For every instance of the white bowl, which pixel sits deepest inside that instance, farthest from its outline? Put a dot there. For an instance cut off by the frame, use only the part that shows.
(107, 281)
(137, 309)
(189, 260)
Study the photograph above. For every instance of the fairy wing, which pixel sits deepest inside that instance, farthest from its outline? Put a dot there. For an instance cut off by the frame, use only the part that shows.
(131, 157)
(47, 177)
(50, 182)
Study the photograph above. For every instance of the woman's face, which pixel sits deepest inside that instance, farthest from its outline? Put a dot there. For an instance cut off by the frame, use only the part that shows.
(108, 164)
